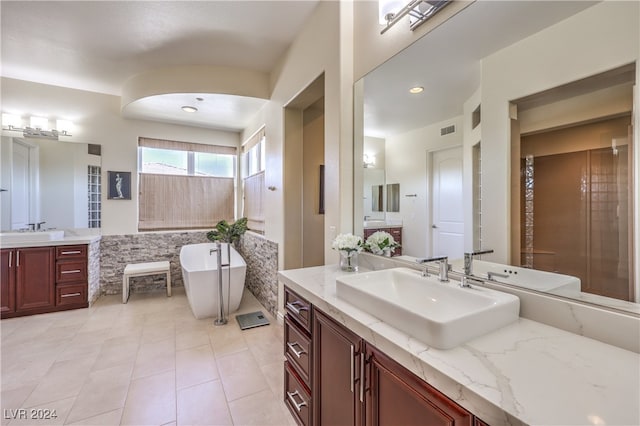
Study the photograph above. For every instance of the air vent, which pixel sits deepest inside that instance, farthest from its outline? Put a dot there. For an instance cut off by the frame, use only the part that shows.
(447, 130)
(94, 149)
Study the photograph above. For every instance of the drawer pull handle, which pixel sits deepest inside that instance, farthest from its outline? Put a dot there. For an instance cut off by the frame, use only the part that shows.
(18, 259)
(10, 258)
(71, 252)
(353, 378)
(294, 307)
(292, 398)
(293, 349)
(70, 295)
(72, 271)
(361, 376)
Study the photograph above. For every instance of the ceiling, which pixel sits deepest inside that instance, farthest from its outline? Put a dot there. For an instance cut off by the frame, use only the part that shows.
(447, 63)
(98, 45)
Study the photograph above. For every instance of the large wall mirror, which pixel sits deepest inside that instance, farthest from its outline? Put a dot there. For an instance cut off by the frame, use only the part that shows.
(50, 181)
(520, 139)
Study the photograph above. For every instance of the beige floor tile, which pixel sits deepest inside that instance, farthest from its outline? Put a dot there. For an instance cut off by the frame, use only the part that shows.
(63, 380)
(110, 418)
(14, 399)
(117, 351)
(203, 404)
(49, 414)
(155, 357)
(151, 400)
(104, 391)
(195, 365)
(190, 338)
(136, 355)
(274, 374)
(241, 375)
(263, 408)
(226, 340)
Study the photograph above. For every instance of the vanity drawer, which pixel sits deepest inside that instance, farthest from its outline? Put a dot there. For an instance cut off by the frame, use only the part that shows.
(74, 271)
(71, 252)
(71, 294)
(296, 396)
(297, 349)
(298, 308)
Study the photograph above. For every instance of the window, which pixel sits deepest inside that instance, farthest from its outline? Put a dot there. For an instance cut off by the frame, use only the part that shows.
(185, 185)
(253, 155)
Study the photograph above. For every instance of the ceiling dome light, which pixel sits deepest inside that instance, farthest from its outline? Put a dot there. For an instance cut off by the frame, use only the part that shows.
(188, 108)
(417, 89)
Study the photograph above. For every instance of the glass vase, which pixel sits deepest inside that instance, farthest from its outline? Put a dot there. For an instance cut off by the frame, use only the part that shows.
(349, 261)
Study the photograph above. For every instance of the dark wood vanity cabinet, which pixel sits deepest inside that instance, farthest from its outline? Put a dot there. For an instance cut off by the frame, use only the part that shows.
(337, 373)
(396, 396)
(27, 280)
(351, 382)
(36, 280)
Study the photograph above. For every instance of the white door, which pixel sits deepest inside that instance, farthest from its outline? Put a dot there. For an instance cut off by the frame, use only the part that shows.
(20, 187)
(446, 203)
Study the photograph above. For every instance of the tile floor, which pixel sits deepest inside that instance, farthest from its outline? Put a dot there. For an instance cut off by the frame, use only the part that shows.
(149, 362)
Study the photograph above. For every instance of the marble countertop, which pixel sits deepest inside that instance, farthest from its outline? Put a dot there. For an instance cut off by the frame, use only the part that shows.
(524, 373)
(71, 237)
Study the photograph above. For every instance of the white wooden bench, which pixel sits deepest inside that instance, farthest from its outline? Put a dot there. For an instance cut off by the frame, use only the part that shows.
(141, 269)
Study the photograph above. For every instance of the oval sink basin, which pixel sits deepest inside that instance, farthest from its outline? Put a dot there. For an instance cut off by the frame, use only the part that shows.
(442, 315)
(18, 237)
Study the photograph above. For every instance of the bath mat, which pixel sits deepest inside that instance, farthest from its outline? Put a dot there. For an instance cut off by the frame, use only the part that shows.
(251, 320)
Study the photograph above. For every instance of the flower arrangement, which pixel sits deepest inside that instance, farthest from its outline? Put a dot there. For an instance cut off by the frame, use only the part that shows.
(348, 243)
(381, 242)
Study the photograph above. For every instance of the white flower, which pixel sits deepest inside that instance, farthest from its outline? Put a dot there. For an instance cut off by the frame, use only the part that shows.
(347, 242)
(379, 241)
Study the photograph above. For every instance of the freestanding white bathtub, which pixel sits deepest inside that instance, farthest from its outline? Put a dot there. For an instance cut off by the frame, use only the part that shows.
(200, 274)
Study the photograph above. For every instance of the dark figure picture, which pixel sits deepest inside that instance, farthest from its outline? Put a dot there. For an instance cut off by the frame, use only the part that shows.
(119, 186)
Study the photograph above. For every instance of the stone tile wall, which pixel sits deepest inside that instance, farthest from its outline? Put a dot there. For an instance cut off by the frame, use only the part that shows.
(116, 251)
(261, 256)
(94, 271)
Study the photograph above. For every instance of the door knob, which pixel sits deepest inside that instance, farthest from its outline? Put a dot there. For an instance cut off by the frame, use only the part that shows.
(434, 226)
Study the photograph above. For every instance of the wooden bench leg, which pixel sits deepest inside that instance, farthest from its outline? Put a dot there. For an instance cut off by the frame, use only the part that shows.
(125, 288)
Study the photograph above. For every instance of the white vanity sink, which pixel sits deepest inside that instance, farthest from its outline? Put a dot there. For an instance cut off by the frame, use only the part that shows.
(18, 237)
(442, 315)
(374, 223)
(522, 277)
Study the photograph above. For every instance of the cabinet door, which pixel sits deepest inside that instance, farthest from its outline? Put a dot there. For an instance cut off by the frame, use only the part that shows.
(7, 281)
(35, 288)
(336, 383)
(398, 397)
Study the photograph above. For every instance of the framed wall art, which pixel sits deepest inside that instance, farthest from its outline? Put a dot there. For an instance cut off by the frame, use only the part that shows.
(119, 185)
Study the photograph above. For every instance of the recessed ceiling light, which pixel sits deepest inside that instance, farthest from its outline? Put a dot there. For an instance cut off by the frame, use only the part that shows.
(188, 108)
(417, 89)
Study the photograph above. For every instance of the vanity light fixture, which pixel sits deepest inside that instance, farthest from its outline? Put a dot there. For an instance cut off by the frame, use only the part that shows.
(38, 127)
(416, 90)
(419, 11)
(188, 108)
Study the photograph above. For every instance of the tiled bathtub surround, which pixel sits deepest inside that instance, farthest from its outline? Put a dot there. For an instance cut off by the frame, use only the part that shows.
(94, 271)
(116, 251)
(261, 256)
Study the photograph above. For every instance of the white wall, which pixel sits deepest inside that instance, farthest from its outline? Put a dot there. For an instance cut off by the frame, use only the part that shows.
(98, 120)
(317, 49)
(591, 42)
(406, 163)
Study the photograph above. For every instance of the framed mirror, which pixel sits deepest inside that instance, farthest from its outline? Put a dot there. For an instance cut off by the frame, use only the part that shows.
(496, 78)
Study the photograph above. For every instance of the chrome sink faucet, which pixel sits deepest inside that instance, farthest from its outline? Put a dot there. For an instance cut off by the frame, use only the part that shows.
(443, 267)
(468, 260)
